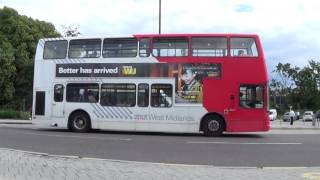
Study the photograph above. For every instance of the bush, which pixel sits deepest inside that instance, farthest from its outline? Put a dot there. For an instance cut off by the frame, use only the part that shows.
(7, 114)
(12, 114)
(24, 115)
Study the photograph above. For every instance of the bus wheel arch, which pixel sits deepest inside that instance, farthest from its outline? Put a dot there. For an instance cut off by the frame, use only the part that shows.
(213, 124)
(79, 121)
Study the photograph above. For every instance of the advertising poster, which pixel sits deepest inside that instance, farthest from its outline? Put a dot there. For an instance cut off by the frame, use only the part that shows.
(190, 82)
(188, 76)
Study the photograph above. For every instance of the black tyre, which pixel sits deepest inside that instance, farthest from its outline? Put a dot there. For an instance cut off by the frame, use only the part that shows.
(79, 122)
(213, 125)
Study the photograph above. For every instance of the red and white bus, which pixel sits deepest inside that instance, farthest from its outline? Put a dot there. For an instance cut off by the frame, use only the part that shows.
(210, 83)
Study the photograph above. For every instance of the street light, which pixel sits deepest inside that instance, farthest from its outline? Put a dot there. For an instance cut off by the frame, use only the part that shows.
(159, 16)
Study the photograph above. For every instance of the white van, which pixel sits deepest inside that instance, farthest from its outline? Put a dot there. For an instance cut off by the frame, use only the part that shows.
(272, 114)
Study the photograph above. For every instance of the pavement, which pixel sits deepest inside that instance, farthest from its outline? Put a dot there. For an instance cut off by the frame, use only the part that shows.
(15, 121)
(24, 165)
(300, 124)
(16, 164)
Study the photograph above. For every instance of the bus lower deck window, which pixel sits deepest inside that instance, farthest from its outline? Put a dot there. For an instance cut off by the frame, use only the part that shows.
(161, 95)
(121, 95)
(58, 92)
(83, 92)
(143, 95)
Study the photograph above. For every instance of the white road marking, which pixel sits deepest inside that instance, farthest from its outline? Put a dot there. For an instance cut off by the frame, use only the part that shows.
(241, 143)
(284, 168)
(81, 137)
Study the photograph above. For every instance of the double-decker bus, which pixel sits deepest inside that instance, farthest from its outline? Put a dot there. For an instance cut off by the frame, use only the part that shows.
(210, 83)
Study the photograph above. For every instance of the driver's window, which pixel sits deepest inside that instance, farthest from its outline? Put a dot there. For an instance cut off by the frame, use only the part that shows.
(251, 96)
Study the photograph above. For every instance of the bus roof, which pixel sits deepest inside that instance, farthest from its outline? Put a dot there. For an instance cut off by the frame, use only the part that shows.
(206, 34)
(152, 35)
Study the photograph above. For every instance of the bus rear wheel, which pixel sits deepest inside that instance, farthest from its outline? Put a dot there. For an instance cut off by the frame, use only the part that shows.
(213, 126)
(80, 122)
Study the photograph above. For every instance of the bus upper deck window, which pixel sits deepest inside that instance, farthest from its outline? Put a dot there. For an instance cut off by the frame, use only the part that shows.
(55, 49)
(170, 47)
(119, 47)
(244, 47)
(209, 46)
(85, 48)
(144, 47)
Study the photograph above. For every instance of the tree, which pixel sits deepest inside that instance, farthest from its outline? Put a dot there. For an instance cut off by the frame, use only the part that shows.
(299, 87)
(307, 92)
(69, 31)
(22, 33)
(282, 85)
(7, 71)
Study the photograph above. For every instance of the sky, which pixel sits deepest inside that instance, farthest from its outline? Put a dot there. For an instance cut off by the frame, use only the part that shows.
(289, 30)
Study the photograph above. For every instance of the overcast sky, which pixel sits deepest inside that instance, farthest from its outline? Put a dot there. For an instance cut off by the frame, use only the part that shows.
(289, 30)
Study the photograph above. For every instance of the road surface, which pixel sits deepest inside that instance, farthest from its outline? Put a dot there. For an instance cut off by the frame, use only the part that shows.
(249, 150)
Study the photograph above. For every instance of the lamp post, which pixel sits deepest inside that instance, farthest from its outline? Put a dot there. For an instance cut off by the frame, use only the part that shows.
(159, 16)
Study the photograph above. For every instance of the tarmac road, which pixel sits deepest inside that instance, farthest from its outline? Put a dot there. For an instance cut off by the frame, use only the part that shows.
(245, 150)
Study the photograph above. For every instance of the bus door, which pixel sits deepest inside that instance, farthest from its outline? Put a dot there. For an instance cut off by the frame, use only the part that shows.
(246, 112)
(58, 100)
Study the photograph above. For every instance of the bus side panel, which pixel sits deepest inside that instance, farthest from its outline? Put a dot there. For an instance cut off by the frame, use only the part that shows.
(223, 97)
(217, 96)
(184, 118)
(247, 72)
(104, 117)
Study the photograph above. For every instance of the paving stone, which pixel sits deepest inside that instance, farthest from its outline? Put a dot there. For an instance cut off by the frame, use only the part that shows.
(23, 165)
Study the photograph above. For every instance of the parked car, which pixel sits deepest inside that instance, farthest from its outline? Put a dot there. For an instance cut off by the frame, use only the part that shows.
(272, 114)
(287, 116)
(308, 116)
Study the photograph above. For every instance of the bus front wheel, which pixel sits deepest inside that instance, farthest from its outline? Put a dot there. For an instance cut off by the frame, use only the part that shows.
(213, 125)
(79, 122)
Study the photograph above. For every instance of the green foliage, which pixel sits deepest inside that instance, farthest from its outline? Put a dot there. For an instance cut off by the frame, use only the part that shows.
(18, 40)
(299, 87)
(12, 114)
(8, 114)
(7, 70)
(24, 115)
